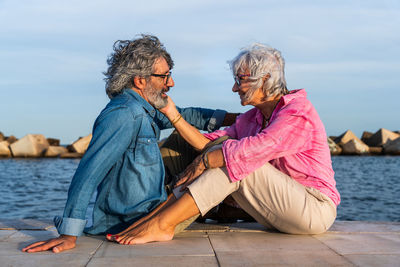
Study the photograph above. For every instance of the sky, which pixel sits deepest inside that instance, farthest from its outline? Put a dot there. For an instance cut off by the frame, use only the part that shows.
(346, 54)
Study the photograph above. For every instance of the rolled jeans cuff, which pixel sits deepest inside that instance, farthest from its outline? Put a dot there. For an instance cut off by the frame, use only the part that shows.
(216, 120)
(69, 226)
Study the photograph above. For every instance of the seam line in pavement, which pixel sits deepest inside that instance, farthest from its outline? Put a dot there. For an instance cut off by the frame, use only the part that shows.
(8, 237)
(334, 251)
(212, 247)
(94, 253)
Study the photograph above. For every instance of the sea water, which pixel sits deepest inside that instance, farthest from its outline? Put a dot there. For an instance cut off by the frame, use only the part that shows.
(37, 188)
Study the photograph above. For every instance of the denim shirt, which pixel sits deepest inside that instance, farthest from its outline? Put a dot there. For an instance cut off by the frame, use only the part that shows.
(123, 162)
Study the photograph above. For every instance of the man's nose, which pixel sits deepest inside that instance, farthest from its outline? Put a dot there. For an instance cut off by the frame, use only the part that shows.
(170, 82)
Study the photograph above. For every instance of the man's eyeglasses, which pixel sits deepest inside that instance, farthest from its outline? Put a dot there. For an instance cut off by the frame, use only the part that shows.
(162, 76)
(239, 78)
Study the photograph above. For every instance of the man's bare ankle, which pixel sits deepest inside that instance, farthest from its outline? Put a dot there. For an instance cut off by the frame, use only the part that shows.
(164, 225)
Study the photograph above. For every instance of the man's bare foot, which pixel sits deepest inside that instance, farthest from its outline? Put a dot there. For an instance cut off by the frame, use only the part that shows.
(171, 199)
(149, 231)
(111, 237)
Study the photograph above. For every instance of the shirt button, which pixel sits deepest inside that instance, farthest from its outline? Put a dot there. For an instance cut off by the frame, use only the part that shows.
(148, 140)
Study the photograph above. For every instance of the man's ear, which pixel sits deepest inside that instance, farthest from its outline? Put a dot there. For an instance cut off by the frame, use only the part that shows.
(139, 82)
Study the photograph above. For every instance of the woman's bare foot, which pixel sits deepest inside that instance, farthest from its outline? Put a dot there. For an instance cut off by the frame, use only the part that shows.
(149, 231)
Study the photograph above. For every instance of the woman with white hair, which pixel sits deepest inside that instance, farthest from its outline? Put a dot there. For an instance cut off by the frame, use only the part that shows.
(275, 164)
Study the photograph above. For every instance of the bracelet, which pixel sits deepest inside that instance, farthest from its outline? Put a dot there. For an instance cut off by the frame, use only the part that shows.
(204, 158)
(177, 118)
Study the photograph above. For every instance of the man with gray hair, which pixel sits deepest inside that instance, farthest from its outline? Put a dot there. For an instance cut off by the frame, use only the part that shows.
(123, 161)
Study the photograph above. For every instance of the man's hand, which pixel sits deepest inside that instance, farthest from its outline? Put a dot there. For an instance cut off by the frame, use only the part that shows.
(61, 243)
(194, 170)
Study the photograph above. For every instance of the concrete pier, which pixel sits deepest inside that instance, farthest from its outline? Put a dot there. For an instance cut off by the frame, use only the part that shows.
(241, 244)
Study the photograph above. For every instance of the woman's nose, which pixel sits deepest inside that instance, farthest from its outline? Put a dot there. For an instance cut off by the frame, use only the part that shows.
(235, 87)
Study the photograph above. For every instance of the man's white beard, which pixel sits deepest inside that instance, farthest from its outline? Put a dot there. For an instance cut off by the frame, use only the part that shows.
(155, 97)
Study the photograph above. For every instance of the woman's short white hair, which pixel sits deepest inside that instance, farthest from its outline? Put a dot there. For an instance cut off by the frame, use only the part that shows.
(261, 60)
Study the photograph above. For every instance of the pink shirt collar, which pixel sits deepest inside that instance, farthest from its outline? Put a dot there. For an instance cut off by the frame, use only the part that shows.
(282, 102)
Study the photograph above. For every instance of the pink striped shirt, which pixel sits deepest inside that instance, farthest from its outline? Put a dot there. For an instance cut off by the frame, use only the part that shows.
(294, 142)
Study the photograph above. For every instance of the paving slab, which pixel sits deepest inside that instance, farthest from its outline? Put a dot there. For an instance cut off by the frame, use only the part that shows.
(32, 235)
(364, 227)
(156, 261)
(374, 260)
(250, 241)
(361, 243)
(271, 249)
(40, 260)
(281, 258)
(239, 244)
(181, 245)
(4, 234)
(25, 224)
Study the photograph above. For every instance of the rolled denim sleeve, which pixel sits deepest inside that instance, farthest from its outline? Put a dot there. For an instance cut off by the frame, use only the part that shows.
(216, 120)
(201, 118)
(111, 137)
(69, 226)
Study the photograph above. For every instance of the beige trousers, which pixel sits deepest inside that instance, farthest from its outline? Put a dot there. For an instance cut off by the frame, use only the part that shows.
(177, 154)
(272, 198)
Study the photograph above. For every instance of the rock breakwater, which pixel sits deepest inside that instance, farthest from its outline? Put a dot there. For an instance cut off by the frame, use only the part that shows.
(37, 145)
(382, 142)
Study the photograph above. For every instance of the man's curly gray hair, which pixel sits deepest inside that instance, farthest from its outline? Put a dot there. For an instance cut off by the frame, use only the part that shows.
(261, 60)
(133, 58)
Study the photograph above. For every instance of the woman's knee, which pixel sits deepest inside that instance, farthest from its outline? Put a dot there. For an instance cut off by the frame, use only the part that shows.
(312, 226)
